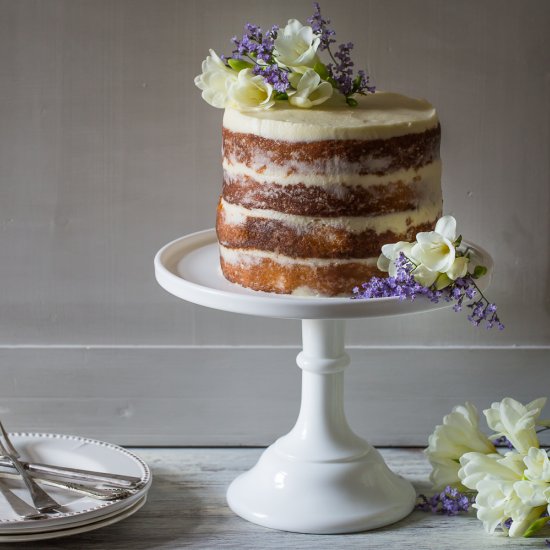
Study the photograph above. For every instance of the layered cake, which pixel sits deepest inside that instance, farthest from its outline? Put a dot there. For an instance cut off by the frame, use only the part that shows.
(311, 195)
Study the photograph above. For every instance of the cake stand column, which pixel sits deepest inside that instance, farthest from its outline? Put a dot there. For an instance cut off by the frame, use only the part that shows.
(321, 477)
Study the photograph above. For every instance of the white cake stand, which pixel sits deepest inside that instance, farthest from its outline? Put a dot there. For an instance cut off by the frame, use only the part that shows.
(321, 477)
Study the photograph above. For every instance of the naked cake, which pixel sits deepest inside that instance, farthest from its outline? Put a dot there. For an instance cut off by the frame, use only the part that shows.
(310, 195)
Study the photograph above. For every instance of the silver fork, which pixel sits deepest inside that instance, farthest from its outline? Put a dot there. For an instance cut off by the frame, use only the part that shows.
(41, 500)
(18, 505)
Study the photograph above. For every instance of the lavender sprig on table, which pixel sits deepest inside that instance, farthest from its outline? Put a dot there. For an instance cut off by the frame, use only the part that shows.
(450, 502)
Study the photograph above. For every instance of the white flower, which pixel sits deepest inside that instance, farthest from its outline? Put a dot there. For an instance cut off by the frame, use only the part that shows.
(516, 422)
(458, 269)
(433, 254)
(534, 489)
(390, 253)
(459, 434)
(477, 467)
(250, 92)
(310, 89)
(538, 465)
(507, 490)
(296, 46)
(493, 477)
(435, 249)
(215, 80)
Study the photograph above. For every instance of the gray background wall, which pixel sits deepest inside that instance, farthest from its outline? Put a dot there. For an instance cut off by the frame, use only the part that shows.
(107, 152)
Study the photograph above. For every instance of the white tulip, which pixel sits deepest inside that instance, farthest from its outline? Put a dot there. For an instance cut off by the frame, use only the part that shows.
(459, 434)
(296, 46)
(215, 80)
(310, 90)
(516, 422)
(250, 92)
(435, 249)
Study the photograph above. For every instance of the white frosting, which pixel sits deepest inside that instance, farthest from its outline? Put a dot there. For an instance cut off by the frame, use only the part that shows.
(396, 222)
(241, 256)
(378, 116)
(274, 173)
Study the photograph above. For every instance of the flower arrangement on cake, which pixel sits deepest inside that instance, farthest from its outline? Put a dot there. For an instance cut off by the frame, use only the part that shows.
(436, 267)
(510, 490)
(282, 64)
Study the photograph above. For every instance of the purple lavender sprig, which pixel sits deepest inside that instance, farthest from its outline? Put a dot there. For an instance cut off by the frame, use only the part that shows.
(503, 441)
(449, 502)
(321, 28)
(255, 49)
(340, 72)
(404, 286)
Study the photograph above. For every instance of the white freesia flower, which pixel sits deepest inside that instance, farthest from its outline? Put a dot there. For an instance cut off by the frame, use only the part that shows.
(215, 80)
(296, 46)
(250, 92)
(477, 467)
(493, 477)
(435, 249)
(310, 89)
(390, 253)
(507, 490)
(516, 422)
(458, 269)
(538, 465)
(433, 254)
(534, 489)
(459, 434)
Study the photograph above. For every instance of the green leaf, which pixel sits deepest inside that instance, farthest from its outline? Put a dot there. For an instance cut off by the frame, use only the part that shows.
(281, 95)
(537, 525)
(239, 64)
(321, 70)
(458, 241)
(479, 271)
(351, 102)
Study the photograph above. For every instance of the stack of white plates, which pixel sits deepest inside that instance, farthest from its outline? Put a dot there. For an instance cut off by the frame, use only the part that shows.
(78, 513)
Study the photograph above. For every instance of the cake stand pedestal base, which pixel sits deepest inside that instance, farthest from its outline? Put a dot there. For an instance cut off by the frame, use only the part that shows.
(321, 477)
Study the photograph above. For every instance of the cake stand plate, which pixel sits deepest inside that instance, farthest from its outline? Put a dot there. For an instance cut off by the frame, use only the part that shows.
(320, 477)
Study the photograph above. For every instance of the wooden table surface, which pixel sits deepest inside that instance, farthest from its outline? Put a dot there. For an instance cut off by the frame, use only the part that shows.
(186, 508)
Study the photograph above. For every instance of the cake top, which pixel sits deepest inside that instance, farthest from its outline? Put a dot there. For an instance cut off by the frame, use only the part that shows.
(377, 116)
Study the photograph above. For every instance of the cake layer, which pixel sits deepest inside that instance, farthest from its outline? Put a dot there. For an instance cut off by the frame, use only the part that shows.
(402, 190)
(276, 273)
(314, 237)
(381, 115)
(333, 157)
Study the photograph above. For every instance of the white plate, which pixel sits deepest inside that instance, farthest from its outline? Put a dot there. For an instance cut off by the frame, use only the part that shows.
(74, 452)
(75, 530)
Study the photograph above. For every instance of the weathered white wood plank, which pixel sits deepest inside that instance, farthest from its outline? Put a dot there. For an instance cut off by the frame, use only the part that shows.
(201, 396)
(187, 509)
